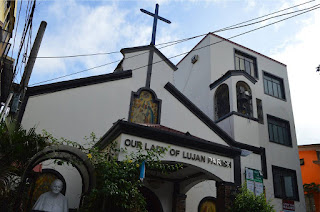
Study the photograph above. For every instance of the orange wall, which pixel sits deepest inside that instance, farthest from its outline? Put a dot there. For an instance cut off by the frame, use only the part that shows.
(310, 172)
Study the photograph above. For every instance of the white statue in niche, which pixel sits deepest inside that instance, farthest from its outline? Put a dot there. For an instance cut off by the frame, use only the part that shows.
(52, 201)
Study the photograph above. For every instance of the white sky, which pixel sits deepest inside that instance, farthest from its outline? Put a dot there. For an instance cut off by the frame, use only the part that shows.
(84, 27)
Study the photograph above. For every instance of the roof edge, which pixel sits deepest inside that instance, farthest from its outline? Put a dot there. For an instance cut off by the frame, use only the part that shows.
(65, 85)
(149, 47)
(207, 121)
(229, 74)
(124, 127)
(225, 39)
(192, 49)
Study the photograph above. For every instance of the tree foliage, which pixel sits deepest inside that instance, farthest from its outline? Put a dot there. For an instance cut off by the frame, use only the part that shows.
(311, 188)
(118, 182)
(246, 201)
(17, 147)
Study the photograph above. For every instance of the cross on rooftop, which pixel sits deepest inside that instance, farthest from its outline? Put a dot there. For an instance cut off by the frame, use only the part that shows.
(155, 19)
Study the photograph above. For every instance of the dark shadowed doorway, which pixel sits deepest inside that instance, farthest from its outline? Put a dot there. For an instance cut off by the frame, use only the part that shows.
(153, 202)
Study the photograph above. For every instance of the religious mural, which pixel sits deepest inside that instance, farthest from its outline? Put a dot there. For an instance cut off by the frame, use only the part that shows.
(144, 108)
(207, 205)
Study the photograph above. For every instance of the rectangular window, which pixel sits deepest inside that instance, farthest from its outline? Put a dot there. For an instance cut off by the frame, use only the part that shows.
(246, 63)
(285, 183)
(279, 131)
(259, 111)
(273, 86)
(301, 161)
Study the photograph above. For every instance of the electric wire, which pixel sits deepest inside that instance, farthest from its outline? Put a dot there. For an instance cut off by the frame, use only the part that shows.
(181, 54)
(245, 25)
(15, 33)
(25, 31)
(22, 41)
(67, 75)
(185, 39)
(270, 14)
(234, 26)
(25, 47)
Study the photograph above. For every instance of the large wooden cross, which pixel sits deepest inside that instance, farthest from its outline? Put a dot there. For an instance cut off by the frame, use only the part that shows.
(155, 19)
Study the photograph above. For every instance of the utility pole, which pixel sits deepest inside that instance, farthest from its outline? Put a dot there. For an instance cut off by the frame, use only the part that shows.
(32, 59)
(28, 69)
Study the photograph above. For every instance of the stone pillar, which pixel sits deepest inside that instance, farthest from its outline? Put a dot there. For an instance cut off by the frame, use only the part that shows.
(225, 195)
(180, 203)
(178, 199)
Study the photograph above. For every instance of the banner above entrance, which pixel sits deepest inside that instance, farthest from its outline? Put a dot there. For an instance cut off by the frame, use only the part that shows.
(218, 166)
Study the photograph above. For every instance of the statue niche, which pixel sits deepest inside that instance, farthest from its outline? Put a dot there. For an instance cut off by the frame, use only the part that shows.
(53, 200)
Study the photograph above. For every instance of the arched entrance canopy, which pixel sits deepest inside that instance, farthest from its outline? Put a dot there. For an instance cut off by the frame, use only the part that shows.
(220, 160)
(70, 154)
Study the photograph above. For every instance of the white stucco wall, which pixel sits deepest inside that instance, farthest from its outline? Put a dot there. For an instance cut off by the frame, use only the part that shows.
(241, 129)
(75, 113)
(190, 78)
(198, 192)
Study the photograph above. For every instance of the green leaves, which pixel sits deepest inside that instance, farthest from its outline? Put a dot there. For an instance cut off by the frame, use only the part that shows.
(247, 201)
(118, 181)
(17, 147)
(311, 188)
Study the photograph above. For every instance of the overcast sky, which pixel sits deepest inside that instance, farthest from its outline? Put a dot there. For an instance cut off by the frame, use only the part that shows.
(84, 27)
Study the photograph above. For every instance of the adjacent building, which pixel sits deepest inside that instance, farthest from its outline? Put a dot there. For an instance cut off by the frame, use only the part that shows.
(247, 95)
(224, 111)
(310, 170)
(7, 21)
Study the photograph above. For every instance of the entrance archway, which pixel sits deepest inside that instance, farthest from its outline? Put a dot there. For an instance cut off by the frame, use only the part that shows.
(76, 157)
(153, 202)
(174, 187)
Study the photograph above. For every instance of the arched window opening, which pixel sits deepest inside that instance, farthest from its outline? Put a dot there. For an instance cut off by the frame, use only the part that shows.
(244, 99)
(222, 104)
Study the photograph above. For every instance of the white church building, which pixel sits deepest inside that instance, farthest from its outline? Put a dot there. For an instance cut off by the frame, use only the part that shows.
(224, 110)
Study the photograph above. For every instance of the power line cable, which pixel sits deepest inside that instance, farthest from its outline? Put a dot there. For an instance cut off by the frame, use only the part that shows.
(269, 14)
(184, 53)
(78, 55)
(245, 25)
(234, 26)
(25, 30)
(15, 33)
(233, 36)
(226, 28)
(77, 72)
